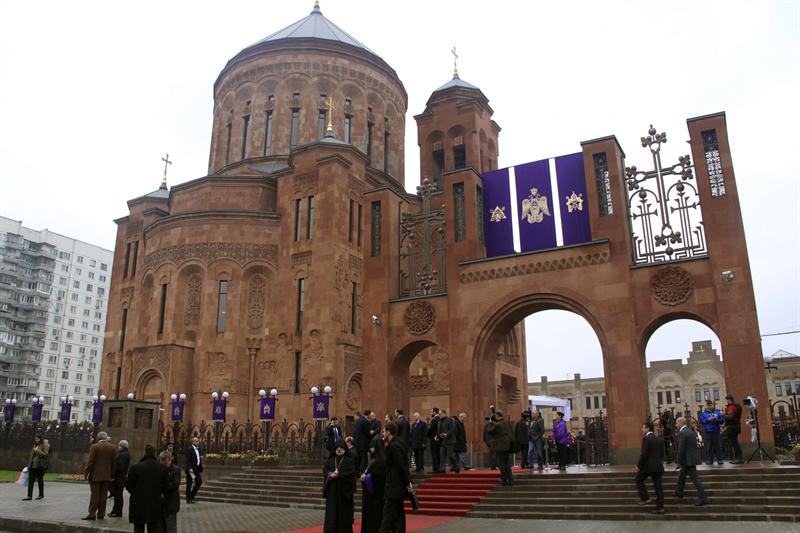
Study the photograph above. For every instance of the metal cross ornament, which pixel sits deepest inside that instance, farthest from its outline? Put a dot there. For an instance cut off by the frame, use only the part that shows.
(167, 162)
(455, 61)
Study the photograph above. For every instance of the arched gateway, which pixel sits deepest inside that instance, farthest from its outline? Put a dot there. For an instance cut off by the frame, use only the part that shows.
(301, 260)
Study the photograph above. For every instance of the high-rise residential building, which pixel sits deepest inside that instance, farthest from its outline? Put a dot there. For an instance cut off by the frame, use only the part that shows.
(53, 300)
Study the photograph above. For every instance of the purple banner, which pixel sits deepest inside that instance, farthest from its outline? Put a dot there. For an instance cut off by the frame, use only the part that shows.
(537, 226)
(218, 410)
(8, 412)
(66, 410)
(321, 404)
(498, 226)
(97, 412)
(36, 412)
(177, 411)
(571, 181)
(267, 409)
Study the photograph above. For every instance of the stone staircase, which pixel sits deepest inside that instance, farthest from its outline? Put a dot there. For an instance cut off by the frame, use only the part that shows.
(743, 493)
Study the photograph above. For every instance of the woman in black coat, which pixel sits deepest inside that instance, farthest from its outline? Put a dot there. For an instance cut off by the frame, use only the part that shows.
(146, 481)
(372, 507)
(340, 479)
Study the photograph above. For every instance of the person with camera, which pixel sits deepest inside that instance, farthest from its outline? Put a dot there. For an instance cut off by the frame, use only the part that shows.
(711, 419)
(521, 434)
(733, 426)
(687, 458)
(501, 433)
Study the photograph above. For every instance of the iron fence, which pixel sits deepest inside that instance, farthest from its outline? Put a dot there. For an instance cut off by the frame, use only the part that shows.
(61, 437)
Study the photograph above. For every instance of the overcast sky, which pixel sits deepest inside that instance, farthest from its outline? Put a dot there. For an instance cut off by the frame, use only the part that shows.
(94, 93)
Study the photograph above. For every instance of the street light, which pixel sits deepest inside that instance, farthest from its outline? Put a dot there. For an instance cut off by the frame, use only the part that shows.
(131, 396)
(266, 412)
(769, 366)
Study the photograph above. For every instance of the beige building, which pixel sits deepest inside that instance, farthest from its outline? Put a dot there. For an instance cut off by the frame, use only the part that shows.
(673, 384)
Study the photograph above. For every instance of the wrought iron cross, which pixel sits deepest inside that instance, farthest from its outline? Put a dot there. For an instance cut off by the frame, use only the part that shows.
(455, 61)
(167, 162)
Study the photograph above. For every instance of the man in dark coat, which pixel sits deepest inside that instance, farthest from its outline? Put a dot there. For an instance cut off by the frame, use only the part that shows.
(419, 432)
(146, 482)
(338, 489)
(398, 482)
(733, 426)
(436, 444)
(487, 440)
(651, 464)
(536, 441)
(121, 465)
(361, 438)
(403, 428)
(461, 441)
(172, 495)
(374, 479)
(194, 469)
(687, 458)
(100, 472)
(352, 451)
(501, 433)
(447, 436)
(333, 434)
(522, 434)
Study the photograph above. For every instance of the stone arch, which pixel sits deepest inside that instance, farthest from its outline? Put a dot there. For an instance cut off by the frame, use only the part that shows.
(150, 386)
(399, 389)
(661, 320)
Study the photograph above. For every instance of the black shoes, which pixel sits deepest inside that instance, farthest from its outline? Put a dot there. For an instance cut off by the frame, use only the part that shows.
(703, 502)
(114, 515)
(39, 498)
(89, 517)
(660, 510)
(27, 499)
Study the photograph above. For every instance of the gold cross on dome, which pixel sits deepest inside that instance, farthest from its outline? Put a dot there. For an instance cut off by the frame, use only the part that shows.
(331, 109)
(455, 61)
(167, 162)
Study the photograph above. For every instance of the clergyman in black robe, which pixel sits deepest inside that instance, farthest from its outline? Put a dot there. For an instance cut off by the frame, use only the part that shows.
(372, 506)
(339, 485)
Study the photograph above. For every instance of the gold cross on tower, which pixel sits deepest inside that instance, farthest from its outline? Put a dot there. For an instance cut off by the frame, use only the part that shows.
(331, 109)
(455, 62)
(167, 162)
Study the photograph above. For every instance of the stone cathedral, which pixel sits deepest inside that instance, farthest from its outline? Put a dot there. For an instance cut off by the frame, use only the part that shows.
(301, 260)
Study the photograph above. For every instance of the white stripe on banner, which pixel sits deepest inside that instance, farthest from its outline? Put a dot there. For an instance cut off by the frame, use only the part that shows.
(555, 202)
(514, 208)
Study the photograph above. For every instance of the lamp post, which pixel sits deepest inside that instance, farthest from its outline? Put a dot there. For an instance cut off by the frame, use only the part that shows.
(36, 410)
(66, 409)
(320, 408)
(267, 408)
(9, 410)
(219, 404)
(97, 410)
(768, 366)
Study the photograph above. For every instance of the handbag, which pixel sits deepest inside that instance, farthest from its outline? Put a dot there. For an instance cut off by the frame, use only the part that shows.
(44, 462)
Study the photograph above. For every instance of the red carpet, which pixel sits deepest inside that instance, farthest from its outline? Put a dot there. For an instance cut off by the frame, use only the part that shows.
(453, 494)
(413, 523)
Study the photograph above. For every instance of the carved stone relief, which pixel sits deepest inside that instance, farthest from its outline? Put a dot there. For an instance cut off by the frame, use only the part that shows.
(126, 294)
(671, 286)
(353, 393)
(343, 287)
(205, 252)
(419, 317)
(194, 296)
(256, 296)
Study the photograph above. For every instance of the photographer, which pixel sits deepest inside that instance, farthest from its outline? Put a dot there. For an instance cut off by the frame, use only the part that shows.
(501, 433)
(733, 426)
(712, 419)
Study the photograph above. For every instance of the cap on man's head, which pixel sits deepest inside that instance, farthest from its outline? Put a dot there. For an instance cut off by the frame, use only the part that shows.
(498, 414)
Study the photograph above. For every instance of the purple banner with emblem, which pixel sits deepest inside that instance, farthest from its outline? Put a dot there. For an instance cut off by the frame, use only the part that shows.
(571, 180)
(36, 412)
(66, 410)
(537, 226)
(267, 409)
(498, 225)
(321, 405)
(97, 412)
(8, 412)
(218, 410)
(177, 411)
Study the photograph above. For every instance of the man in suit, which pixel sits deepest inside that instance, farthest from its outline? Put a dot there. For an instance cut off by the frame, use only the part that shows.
(651, 464)
(461, 441)
(502, 433)
(687, 458)
(487, 440)
(172, 495)
(100, 472)
(361, 437)
(403, 428)
(419, 432)
(398, 482)
(194, 469)
(146, 483)
(536, 442)
(436, 444)
(522, 435)
(447, 436)
(121, 465)
(333, 434)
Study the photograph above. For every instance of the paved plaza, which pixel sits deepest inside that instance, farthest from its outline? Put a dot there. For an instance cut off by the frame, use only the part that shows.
(66, 503)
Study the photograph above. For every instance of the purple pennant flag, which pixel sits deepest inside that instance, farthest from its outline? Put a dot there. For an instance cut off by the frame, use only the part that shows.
(97, 412)
(497, 221)
(8, 412)
(66, 410)
(218, 410)
(177, 411)
(537, 226)
(267, 409)
(36, 412)
(321, 404)
(571, 181)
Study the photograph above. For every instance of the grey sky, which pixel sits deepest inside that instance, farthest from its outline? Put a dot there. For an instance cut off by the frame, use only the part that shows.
(94, 93)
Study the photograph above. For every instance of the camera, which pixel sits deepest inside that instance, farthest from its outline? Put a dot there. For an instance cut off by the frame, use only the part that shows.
(751, 402)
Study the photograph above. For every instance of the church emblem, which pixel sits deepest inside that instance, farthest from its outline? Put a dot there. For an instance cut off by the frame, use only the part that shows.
(498, 214)
(267, 410)
(534, 207)
(574, 202)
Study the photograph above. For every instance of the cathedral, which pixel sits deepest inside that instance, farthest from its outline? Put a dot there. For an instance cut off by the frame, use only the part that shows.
(283, 268)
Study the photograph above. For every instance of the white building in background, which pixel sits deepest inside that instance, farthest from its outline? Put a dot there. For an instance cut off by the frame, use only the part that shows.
(53, 300)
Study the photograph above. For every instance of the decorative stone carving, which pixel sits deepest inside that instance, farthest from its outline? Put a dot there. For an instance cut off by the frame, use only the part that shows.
(134, 228)
(671, 286)
(534, 267)
(352, 360)
(441, 370)
(353, 393)
(256, 296)
(301, 258)
(419, 318)
(343, 287)
(355, 263)
(220, 371)
(268, 365)
(357, 186)
(126, 294)
(205, 252)
(421, 383)
(194, 296)
(158, 358)
(306, 183)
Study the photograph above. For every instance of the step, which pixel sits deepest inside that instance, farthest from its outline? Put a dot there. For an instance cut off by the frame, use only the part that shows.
(642, 515)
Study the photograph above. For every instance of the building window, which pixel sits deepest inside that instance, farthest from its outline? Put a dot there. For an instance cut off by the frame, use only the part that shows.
(127, 258)
(677, 396)
(298, 358)
(359, 225)
(350, 221)
(603, 184)
(604, 401)
(386, 146)
(697, 397)
(122, 332)
(778, 390)
(268, 134)
(222, 305)
(135, 257)
(310, 218)
(706, 394)
(660, 396)
(588, 402)
(669, 397)
(228, 143)
(293, 131)
(323, 115)
(438, 167)
(298, 208)
(245, 127)
(370, 126)
(597, 402)
(716, 179)
(347, 122)
(460, 156)
(375, 232)
(461, 223)
(103, 266)
(716, 394)
(162, 308)
(788, 388)
(353, 302)
(301, 295)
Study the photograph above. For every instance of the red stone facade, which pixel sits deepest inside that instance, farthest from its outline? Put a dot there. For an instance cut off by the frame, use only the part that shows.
(455, 339)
